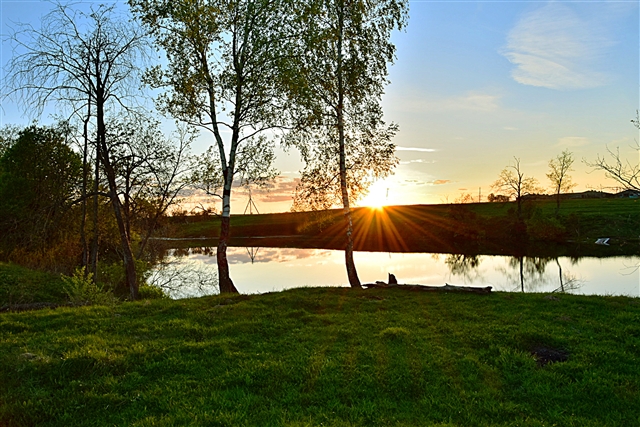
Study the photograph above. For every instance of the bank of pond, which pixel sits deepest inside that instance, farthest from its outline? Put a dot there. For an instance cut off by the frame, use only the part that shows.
(476, 228)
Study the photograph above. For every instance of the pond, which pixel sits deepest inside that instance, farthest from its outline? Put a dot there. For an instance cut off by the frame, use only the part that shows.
(192, 272)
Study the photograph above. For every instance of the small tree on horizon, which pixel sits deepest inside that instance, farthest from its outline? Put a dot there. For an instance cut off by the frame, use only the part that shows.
(514, 183)
(559, 168)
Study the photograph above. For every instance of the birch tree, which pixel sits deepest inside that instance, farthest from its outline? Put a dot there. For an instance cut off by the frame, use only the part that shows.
(222, 74)
(341, 73)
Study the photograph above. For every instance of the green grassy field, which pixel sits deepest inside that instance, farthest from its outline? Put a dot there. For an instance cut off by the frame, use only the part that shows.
(332, 357)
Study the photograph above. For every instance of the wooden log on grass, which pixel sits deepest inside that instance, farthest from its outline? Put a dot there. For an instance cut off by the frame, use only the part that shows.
(424, 288)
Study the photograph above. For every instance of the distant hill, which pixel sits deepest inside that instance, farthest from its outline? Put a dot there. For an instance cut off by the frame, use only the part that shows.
(589, 194)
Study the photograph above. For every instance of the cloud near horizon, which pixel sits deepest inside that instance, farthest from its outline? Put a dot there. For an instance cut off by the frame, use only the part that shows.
(573, 141)
(553, 47)
(417, 149)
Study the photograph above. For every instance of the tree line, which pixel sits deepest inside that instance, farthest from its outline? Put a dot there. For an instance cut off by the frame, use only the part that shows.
(513, 182)
(248, 73)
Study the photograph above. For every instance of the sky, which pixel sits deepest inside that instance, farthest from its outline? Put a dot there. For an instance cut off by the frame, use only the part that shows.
(475, 85)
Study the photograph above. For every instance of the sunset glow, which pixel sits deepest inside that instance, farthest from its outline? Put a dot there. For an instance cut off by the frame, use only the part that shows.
(474, 85)
(378, 196)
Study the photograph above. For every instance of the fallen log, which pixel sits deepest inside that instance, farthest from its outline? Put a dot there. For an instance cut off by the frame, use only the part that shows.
(425, 288)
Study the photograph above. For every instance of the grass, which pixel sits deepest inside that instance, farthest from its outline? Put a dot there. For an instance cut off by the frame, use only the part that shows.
(332, 357)
(20, 285)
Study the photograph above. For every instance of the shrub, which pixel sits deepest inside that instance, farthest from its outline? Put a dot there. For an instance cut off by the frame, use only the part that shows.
(151, 292)
(82, 289)
(545, 228)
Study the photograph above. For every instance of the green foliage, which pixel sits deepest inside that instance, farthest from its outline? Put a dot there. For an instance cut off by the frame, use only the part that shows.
(151, 292)
(546, 228)
(82, 289)
(39, 178)
(329, 356)
(340, 71)
(112, 276)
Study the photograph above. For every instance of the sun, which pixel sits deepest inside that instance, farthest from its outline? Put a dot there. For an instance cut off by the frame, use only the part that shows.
(378, 196)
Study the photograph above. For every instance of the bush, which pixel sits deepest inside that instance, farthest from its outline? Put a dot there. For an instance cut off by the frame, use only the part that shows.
(546, 228)
(151, 292)
(82, 289)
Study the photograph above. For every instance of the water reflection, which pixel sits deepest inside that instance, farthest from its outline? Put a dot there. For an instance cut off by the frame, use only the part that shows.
(257, 270)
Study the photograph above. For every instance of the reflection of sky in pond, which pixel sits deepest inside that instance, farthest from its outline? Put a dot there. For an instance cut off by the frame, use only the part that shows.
(275, 269)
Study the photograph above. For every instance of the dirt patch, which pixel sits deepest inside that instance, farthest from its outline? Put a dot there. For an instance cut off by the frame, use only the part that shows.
(545, 355)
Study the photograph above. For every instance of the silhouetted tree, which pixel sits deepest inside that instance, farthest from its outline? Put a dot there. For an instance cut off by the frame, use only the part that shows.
(151, 171)
(340, 75)
(223, 55)
(626, 172)
(514, 182)
(559, 169)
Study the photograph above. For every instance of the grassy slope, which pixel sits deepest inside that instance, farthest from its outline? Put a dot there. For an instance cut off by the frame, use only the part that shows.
(333, 357)
(20, 285)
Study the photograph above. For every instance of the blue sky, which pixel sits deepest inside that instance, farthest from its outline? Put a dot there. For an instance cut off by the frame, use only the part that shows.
(477, 83)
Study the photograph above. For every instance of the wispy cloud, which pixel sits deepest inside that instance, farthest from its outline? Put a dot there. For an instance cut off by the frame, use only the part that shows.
(471, 101)
(417, 149)
(573, 141)
(474, 101)
(408, 162)
(555, 48)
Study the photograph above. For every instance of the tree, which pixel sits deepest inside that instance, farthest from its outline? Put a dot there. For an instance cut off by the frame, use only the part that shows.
(151, 171)
(254, 166)
(89, 62)
(340, 75)
(559, 169)
(625, 172)
(222, 55)
(40, 176)
(515, 184)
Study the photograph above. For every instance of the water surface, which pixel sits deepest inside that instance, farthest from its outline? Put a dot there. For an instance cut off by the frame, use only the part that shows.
(192, 272)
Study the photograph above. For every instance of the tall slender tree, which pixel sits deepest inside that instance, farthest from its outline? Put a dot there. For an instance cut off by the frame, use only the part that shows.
(223, 56)
(341, 73)
(87, 61)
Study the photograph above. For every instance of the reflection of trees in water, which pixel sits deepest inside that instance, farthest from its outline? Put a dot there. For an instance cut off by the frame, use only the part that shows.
(182, 279)
(631, 268)
(465, 266)
(568, 282)
(245, 255)
(529, 274)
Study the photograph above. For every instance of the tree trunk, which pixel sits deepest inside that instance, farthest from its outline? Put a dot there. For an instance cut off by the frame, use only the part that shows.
(560, 273)
(225, 282)
(85, 180)
(94, 239)
(127, 254)
(352, 273)
(522, 273)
